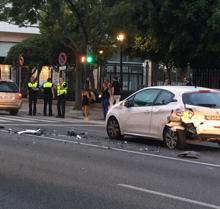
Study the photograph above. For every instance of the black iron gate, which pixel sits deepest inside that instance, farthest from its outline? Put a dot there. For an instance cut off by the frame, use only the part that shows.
(207, 78)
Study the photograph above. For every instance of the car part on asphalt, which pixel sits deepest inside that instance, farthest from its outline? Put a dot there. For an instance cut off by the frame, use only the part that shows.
(77, 135)
(189, 154)
(37, 132)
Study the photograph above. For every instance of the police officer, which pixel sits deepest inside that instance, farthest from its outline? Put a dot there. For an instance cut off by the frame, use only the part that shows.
(48, 96)
(33, 89)
(61, 97)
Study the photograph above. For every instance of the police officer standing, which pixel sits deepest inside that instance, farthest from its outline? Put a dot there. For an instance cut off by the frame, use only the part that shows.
(61, 98)
(33, 89)
(48, 96)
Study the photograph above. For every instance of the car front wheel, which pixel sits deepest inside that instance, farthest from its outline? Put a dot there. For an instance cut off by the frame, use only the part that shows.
(113, 129)
(174, 139)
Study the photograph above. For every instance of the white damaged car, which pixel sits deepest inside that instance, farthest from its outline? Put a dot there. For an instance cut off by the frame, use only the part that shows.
(175, 114)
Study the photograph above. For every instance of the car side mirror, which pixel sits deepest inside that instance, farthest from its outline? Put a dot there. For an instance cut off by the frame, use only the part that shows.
(174, 100)
(127, 103)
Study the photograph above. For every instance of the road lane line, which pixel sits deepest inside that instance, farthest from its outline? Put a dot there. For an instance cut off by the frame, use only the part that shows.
(183, 199)
(15, 119)
(126, 151)
(31, 119)
(53, 125)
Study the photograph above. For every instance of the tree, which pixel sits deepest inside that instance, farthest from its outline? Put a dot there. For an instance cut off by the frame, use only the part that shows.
(179, 32)
(37, 52)
(76, 24)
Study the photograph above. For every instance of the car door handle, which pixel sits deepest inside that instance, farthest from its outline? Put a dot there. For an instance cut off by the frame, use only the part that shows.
(147, 111)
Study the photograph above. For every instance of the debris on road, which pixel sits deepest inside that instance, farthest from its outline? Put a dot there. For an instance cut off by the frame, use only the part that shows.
(78, 136)
(71, 133)
(189, 154)
(37, 132)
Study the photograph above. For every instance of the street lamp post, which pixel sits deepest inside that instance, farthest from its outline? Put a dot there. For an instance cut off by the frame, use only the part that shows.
(121, 38)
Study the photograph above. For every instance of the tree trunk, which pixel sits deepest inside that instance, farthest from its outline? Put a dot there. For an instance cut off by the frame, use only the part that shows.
(78, 86)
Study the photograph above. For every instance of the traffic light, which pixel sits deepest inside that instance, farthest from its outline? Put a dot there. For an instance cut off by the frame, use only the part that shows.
(82, 59)
(86, 59)
(89, 59)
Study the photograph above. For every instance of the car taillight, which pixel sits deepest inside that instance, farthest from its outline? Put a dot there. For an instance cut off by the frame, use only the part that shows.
(19, 95)
(184, 113)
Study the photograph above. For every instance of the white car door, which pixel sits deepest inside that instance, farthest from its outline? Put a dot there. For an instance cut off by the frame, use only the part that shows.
(161, 109)
(138, 113)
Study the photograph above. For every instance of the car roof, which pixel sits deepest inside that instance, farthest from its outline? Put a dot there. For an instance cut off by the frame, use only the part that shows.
(180, 89)
(6, 81)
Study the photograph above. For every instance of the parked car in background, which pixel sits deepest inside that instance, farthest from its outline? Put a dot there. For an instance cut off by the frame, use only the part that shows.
(10, 97)
(175, 114)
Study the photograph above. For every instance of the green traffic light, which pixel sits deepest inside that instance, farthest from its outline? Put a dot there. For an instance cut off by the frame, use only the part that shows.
(89, 59)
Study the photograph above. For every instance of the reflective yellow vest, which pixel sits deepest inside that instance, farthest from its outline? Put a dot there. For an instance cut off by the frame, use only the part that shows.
(32, 85)
(61, 89)
(47, 85)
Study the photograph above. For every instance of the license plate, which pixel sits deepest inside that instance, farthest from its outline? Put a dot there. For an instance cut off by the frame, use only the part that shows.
(212, 117)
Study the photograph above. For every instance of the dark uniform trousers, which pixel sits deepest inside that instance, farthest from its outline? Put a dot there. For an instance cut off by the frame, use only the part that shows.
(61, 105)
(32, 104)
(48, 101)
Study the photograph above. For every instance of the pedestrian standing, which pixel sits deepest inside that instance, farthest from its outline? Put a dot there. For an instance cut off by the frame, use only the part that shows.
(116, 90)
(187, 81)
(33, 89)
(105, 97)
(48, 91)
(61, 98)
(167, 82)
(85, 103)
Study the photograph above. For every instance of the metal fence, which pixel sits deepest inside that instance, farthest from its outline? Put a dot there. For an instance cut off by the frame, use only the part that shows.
(207, 78)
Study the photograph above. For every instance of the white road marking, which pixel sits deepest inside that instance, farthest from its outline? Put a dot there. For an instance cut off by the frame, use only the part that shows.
(54, 125)
(127, 151)
(15, 119)
(3, 121)
(29, 119)
(183, 199)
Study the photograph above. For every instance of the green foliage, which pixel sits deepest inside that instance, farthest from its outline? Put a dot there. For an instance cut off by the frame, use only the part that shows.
(184, 32)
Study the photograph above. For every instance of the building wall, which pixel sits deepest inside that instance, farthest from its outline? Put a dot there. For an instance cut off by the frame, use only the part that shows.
(9, 36)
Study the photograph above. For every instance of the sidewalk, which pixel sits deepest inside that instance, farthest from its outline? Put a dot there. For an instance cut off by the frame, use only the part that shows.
(95, 110)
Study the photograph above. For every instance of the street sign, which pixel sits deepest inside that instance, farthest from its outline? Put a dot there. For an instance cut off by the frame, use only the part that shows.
(62, 59)
(21, 60)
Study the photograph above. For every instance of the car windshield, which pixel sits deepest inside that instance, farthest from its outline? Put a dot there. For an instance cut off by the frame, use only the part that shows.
(8, 87)
(203, 99)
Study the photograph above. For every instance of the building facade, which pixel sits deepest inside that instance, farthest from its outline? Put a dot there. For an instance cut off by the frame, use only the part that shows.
(9, 36)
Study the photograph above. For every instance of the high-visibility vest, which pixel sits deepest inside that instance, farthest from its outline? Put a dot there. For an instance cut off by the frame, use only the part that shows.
(47, 85)
(32, 85)
(61, 89)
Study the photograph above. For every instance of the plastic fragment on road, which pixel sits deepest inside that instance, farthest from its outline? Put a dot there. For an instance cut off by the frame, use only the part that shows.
(34, 132)
(189, 154)
(78, 136)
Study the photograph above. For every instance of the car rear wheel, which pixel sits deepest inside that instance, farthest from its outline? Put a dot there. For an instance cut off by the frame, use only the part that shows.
(174, 139)
(13, 112)
(113, 129)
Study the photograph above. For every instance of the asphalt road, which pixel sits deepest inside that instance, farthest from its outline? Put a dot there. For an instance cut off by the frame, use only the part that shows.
(90, 171)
